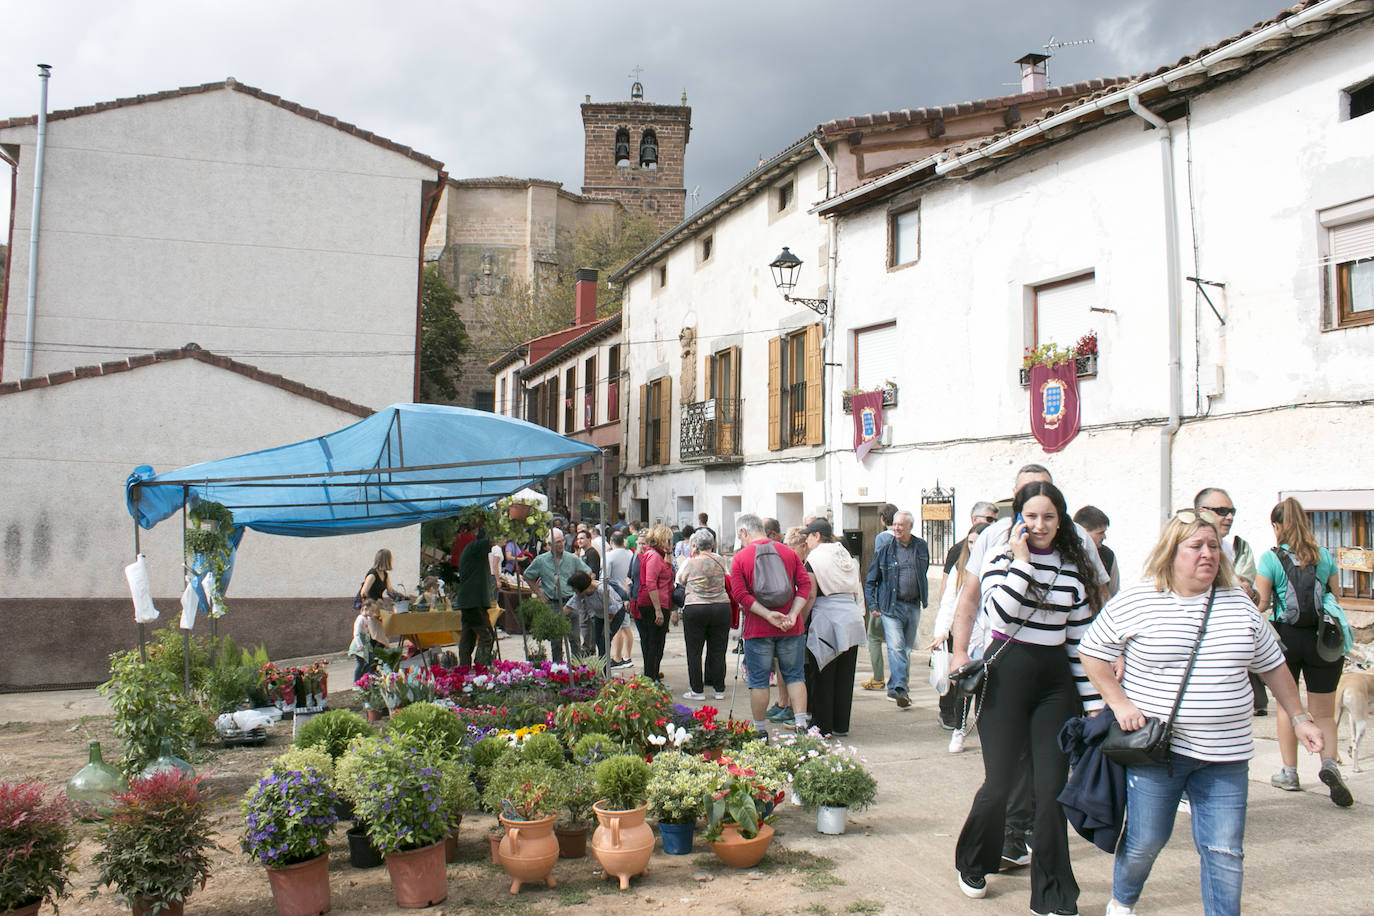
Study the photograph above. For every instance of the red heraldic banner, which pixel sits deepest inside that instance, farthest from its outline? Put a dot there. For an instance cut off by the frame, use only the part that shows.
(868, 421)
(1054, 404)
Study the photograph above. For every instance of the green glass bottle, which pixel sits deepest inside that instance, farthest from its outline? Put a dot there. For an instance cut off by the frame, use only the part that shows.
(166, 760)
(92, 786)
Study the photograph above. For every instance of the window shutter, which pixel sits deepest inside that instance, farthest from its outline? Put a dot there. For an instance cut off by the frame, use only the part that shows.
(775, 393)
(709, 390)
(643, 425)
(1352, 242)
(734, 373)
(665, 420)
(1062, 311)
(877, 356)
(815, 371)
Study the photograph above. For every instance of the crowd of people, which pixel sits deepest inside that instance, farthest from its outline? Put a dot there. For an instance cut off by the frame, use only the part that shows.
(1031, 600)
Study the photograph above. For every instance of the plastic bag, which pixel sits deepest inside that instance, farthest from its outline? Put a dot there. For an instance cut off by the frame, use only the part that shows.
(137, 575)
(939, 671)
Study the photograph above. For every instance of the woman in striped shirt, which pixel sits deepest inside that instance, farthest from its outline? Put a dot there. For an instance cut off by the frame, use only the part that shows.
(1155, 625)
(1038, 604)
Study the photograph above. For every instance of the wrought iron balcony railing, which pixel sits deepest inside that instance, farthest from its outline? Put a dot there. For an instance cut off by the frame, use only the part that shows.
(710, 431)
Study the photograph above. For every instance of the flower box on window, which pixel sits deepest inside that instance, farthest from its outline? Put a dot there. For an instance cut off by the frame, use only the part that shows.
(889, 398)
(1085, 366)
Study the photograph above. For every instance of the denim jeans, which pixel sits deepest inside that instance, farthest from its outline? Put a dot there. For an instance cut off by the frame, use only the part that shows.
(1216, 792)
(900, 633)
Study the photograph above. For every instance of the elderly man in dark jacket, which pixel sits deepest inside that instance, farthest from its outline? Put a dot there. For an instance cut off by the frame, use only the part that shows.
(896, 586)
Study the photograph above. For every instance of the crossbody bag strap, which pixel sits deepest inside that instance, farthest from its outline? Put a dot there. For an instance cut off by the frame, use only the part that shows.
(1020, 623)
(1192, 660)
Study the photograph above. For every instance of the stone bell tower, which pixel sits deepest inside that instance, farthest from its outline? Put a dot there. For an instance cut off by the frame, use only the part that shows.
(634, 153)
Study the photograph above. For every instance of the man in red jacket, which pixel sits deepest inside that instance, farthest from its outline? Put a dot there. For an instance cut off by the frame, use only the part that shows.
(771, 633)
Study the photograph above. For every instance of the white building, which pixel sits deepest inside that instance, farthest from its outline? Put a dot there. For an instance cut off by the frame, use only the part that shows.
(1261, 187)
(286, 245)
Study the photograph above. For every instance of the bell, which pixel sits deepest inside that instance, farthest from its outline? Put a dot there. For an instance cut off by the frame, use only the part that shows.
(648, 154)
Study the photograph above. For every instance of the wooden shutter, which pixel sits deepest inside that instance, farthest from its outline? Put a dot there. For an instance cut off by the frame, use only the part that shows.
(643, 425)
(665, 419)
(775, 393)
(709, 390)
(733, 385)
(815, 371)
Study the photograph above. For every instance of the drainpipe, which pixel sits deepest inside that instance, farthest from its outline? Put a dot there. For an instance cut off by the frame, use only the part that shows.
(1172, 278)
(828, 347)
(29, 318)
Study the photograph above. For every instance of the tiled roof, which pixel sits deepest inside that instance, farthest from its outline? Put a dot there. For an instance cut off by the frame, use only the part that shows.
(602, 328)
(190, 351)
(235, 86)
(517, 352)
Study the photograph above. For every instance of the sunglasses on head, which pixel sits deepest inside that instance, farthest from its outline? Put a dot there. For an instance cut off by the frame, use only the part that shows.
(1221, 511)
(1188, 516)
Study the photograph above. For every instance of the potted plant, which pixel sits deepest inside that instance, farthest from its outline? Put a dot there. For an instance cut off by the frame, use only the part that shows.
(155, 843)
(348, 783)
(208, 514)
(738, 829)
(623, 843)
(528, 796)
(678, 789)
(833, 783)
(36, 846)
(579, 794)
(287, 817)
(397, 791)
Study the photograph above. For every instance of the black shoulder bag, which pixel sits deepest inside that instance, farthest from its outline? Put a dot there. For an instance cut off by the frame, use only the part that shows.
(1150, 743)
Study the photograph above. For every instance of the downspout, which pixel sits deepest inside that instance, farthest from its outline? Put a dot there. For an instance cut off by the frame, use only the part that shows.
(1173, 279)
(828, 346)
(31, 316)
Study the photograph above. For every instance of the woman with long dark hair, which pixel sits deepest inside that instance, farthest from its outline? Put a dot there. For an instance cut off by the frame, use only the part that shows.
(1039, 595)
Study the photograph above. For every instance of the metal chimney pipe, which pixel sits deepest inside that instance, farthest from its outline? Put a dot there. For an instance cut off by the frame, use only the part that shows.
(43, 71)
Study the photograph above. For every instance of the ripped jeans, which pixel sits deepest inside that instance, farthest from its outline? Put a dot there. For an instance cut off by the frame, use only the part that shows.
(1216, 792)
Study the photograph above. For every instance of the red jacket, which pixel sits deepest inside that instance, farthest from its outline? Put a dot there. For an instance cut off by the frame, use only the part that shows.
(741, 586)
(655, 574)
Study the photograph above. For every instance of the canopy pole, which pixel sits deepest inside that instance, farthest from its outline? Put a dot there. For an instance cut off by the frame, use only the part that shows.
(185, 634)
(142, 632)
(605, 570)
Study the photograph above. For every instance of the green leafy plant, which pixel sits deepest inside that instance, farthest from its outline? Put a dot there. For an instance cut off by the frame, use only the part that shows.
(629, 711)
(1048, 354)
(545, 748)
(207, 510)
(287, 816)
(149, 704)
(156, 839)
(621, 782)
(486, 752)
(740, 799)
(594, 747)
(296, 758)
(349, 769)
(526, 791)
(332, 730)
(397, 791)
(836, 780)
(434, 725)
(578, 782)
(772, 765)
(680, 786)
(36, 845)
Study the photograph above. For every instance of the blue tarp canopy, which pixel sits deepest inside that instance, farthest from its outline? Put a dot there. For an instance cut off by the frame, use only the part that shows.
(400, 466)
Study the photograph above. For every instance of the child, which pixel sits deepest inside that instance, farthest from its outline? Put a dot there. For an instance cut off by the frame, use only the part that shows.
(367, 629)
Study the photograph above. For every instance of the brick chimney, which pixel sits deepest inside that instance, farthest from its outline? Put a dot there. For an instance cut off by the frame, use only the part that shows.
(586, 297)
(1034, 74)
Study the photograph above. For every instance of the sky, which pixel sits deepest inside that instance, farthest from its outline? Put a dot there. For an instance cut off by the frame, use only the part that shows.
(493, 88)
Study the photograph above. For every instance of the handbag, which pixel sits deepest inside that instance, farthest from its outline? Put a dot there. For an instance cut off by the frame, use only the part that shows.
(1150, 743)
(968, 678)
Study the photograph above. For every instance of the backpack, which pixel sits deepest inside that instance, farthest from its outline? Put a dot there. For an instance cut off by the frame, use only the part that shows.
(773, 587)
(1303, 596)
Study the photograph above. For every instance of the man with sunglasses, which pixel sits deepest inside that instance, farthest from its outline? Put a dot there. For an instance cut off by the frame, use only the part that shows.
(1218, 502)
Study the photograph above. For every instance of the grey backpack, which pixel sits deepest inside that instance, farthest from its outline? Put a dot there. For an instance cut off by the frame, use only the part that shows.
(773, 587)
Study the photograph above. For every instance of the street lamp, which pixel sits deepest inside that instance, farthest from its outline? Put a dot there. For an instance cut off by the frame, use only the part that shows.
(785, 268)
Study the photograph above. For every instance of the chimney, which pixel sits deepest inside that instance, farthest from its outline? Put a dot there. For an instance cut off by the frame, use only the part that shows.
(586, 297)
(1034, 73)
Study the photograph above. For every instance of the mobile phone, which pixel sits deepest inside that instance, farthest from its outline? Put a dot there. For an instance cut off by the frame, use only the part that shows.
(1018, 521)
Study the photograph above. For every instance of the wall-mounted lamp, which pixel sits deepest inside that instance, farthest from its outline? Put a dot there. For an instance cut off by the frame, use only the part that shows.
(785, 268)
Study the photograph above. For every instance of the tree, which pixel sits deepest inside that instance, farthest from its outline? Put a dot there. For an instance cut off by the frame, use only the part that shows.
(443, 339)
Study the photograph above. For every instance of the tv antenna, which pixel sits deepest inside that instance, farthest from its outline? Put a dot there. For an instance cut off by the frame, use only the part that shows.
(695, 197)
(1053, 45)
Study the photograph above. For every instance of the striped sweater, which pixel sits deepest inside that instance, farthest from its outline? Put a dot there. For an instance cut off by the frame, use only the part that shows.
(1054, 611)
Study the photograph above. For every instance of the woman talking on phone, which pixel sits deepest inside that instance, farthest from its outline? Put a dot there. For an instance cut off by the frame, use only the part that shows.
(1039, 604)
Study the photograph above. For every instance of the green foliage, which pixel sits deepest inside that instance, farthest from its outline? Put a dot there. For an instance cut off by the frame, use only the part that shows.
(621, 781)
(397, 790)
(579, 794)
(525, 791)
(739, 799)
(836, 780)
(543, 747)
(443, 339)
(234, 677)
(628, 711)
(485, 753)
(332, 730)
(207, 510)
(524, 531)
(155, 841)
(434, 725)
(866, 907)
(680, 786)
(36, 845)
(149, 704)
(1048, 354)
(299, 758)
(772, 765)
(594, 747)
(287, 816)
(351, 767)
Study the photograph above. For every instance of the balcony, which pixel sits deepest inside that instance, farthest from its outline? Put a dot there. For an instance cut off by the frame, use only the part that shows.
(710, 432)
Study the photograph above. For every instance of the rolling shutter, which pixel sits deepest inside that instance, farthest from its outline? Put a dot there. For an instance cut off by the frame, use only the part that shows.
(877, 357)
(1062, 311)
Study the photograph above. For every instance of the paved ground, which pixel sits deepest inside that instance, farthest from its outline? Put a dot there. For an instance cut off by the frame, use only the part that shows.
(1303, 854)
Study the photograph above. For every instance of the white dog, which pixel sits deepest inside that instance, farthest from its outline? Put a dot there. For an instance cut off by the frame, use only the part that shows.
(1353, 694)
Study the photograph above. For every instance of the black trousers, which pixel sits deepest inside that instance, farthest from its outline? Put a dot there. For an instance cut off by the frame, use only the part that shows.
(652, 638)
(706, 626)
(1030, 696)
(830, 690)
(476, 631)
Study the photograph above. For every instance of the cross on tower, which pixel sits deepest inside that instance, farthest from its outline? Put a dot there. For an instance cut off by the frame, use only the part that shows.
(634, 74)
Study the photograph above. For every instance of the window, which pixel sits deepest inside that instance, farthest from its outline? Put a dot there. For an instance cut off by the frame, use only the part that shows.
(484, 400)
(904, 237)
(794, 389)
(722, 386)
(655, 425)
(1348, 252)
(877, 356)
(505, 404)
(707, 244)
(1346, 528)
(589, 394)
(1357, 101)
(661, 277)
(1063, 311)
(570, 400)
(784, 196)
(613, 384)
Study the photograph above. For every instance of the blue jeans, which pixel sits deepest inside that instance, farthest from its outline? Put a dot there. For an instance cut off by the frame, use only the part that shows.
(790, 652)
(900, 633)
(1217, 794)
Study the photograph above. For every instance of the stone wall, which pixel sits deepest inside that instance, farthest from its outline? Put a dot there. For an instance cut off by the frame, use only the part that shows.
(659, 190)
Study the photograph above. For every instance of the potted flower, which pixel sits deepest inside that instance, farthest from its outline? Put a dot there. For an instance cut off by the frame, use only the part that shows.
(36, 845)
(348, 783)
(397, 792)
(579, 794)
(287, 817)
(773, 765)
(679, 787)
(623, 843)
(738, 829)
(833, 783)
(528, 795)
(155, 843)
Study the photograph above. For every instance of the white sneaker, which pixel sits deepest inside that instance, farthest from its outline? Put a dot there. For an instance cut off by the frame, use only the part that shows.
(1119, 909)
(956, 741)
(720, 694)
(693, 695)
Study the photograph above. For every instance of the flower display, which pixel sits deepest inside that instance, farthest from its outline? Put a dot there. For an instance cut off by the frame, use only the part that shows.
(740, 799)
(837, 779)
(288, 814)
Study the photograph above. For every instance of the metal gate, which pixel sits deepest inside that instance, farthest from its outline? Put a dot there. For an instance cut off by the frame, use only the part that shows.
(937, 521)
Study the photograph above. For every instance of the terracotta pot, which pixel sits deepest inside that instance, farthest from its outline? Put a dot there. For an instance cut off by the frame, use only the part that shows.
(143, 906)
(623, 843)
(374, 715)
(301, 889)
(451, 843)
(529, 851)
(28, 909)
(494, 836)
(520, 511)
(737, 852)
(572, 842)
(418, 878)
